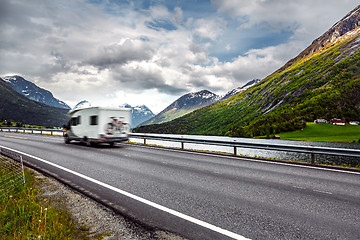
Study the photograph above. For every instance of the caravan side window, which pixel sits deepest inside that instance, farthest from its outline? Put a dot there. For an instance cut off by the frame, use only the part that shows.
(75, 121)
(94, 120)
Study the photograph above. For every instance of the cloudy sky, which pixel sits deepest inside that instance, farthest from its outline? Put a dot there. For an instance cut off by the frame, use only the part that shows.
(112, 52)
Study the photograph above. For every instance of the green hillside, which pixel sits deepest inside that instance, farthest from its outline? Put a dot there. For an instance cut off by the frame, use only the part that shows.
(325, 84)
(16, 107)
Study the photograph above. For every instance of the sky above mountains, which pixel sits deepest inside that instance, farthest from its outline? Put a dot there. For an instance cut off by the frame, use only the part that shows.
(112, 52)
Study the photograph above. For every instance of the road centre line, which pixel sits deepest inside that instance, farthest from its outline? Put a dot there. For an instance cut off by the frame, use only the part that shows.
(314, 190)
(140, 199)
(255, 160)
(9, 136)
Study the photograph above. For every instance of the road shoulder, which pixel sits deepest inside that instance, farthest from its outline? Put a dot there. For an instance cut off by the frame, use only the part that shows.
(99, 219)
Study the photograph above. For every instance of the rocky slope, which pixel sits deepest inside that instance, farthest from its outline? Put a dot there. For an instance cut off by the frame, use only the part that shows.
(343, 27)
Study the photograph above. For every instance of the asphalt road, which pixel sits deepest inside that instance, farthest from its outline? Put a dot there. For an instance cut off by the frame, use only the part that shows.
(204, 196)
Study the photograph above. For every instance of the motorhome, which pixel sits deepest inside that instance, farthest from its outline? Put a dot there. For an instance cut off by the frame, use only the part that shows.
(98, 125)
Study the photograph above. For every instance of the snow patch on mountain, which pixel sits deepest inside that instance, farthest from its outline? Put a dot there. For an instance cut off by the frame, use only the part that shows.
(33, 92)
(140, 114)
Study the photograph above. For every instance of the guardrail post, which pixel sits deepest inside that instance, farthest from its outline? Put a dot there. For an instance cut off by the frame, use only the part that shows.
(144, 141)
(313, 158)
(51, 133)
(235, 151)
(182, 145)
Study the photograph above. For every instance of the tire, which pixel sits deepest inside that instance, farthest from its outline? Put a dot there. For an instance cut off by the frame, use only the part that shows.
(66, 139)
(89, 143)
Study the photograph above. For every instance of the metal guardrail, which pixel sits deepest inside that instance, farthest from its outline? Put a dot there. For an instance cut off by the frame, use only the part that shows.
(312, 150)
(32, 130)
(264, 146)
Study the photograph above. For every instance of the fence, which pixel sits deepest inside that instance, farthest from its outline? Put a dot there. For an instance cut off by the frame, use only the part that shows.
(11, 172)
(34, 131)
(311, 150)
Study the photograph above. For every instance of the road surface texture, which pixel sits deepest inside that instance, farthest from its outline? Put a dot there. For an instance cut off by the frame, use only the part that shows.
(200, 195)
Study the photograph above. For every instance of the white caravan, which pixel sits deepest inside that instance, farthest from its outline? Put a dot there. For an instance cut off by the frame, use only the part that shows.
(96, 124)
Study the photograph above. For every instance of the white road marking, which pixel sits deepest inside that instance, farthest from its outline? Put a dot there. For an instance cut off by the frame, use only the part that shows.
(303, 188)
(9, 136)
(330, 193)
(140, 199)
(314, 190)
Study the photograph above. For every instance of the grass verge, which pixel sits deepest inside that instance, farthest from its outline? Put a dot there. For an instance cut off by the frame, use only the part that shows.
(24, 215)
(324, 133)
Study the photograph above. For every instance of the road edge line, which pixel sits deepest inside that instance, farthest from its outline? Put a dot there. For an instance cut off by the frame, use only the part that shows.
(139, 199)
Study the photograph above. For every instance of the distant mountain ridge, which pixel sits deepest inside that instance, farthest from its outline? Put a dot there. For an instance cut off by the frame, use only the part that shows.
(343, 27)
(139, 114)
(33, 92)
(183, 105)
(15, 107)
(193, 101)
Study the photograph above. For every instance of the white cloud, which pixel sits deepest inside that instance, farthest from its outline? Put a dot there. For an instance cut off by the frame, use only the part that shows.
(308, 18)
(125, 51)
(209, 28)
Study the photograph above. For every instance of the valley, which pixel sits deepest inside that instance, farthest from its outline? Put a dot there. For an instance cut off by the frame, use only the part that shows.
(321, 83)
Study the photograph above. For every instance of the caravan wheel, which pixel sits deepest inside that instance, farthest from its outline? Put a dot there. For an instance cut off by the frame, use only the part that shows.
(88, 142)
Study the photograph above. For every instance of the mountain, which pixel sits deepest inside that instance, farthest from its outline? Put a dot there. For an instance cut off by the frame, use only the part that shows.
(339, 30)
(183, 105)
(192, 101)
(33, 92)
(323, 81)
(240, 89)
(139, 114)
(82, 104)
(16, 107)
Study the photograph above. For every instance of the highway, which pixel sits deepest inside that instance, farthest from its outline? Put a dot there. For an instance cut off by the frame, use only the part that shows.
(202, 195)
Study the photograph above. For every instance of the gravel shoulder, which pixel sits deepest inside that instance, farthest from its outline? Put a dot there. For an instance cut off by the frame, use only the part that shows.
(101, 220)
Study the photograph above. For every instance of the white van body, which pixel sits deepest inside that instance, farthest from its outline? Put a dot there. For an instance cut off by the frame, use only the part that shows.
(98, 124)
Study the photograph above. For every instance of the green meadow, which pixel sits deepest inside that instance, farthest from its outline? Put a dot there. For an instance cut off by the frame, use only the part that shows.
(323, 132)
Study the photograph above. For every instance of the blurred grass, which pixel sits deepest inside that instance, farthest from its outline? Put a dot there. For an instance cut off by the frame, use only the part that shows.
(23, 215)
